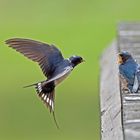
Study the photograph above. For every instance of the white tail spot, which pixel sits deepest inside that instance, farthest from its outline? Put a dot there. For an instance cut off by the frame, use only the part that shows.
(39, 87)
(47, 99)
(39, 84)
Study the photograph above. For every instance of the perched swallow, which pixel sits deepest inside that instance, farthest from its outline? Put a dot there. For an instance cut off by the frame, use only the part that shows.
(130, 70)
(52, 63)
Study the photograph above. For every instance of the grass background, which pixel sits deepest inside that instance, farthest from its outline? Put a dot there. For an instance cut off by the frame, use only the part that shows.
(82, 27)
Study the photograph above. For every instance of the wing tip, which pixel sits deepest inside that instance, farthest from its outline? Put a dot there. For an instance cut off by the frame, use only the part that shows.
(11, 40)
(7, 41)
(20, 39)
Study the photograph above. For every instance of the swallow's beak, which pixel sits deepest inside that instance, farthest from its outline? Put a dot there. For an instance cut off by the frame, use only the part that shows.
(83, 60)
(120, 60)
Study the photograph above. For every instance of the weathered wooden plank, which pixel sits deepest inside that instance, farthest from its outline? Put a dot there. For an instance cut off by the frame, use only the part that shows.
(129, 40)
(110, 101)
(119, 123)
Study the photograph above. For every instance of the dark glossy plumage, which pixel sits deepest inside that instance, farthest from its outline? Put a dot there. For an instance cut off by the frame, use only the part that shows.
(52, 63)
(75, 60)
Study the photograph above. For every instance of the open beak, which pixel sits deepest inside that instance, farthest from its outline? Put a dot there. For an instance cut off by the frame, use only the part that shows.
(120, 61)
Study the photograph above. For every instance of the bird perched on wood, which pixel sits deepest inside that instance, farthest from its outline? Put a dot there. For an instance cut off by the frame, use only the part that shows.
(130, 70)
(52, 63)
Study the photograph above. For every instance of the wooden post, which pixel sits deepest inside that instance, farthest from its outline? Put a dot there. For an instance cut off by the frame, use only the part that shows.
(111, 118)
(129, 40)
(120, 112)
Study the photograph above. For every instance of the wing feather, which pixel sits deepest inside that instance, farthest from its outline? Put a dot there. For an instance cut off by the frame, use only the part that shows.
(47, 56)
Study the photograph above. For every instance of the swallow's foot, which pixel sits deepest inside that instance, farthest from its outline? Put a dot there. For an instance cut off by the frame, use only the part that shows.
(126, 91)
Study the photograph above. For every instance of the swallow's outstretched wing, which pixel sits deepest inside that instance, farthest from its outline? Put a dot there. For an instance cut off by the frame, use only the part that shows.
(47, 56)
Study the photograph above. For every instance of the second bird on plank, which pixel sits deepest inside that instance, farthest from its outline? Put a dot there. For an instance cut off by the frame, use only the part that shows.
(129, 69)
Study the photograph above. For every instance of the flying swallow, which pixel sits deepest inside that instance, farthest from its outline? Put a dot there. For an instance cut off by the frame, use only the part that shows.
(129, 69)
(52, 63)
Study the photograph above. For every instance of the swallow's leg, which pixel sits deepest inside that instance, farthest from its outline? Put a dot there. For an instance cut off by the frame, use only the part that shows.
(126, 90)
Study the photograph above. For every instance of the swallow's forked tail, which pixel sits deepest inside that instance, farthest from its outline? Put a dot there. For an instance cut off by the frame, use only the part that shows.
(35, 84)
(46, 93)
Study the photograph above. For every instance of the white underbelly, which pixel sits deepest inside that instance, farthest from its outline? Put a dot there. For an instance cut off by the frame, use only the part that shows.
(62, 78)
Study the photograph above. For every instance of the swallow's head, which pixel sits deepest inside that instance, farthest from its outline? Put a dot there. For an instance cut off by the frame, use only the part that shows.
(123, 57)
(75, 60)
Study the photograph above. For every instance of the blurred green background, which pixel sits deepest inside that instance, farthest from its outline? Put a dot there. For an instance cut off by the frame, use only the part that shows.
(82, 27)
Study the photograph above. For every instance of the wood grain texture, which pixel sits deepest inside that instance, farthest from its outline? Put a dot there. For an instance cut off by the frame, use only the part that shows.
(110, 101)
